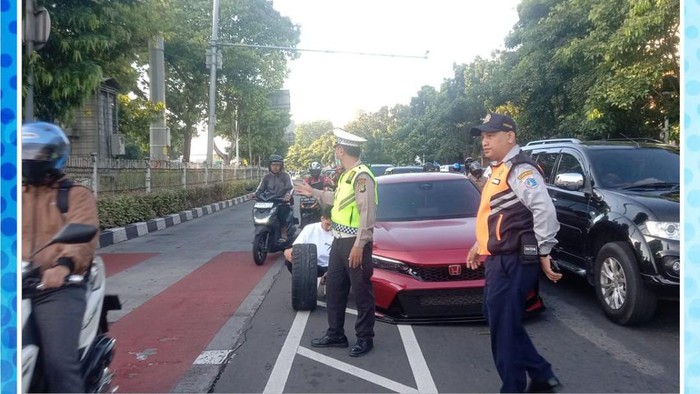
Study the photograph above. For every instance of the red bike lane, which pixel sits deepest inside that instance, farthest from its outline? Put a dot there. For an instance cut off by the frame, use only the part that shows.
(158, 341)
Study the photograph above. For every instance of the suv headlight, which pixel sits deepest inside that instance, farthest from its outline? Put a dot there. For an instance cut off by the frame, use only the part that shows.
(389, 264)
(667, 230)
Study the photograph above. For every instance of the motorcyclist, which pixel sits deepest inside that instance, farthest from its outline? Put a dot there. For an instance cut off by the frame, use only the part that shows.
(456, 167)
(316, 179)
(476, 174)
(57, 310)
(278, 184)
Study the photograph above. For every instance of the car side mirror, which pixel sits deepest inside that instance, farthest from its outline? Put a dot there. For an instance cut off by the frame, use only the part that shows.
(569, 181)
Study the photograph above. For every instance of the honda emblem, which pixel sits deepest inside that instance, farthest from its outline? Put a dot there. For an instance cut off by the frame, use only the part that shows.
(455, 270)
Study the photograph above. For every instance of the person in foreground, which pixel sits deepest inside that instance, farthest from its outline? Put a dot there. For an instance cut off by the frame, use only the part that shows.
(516, 227)
(350, 265)
(58, 310)
(319, 234)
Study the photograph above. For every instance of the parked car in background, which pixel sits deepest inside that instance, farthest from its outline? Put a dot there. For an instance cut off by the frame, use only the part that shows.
(424, 229)
(378, 169)
(618, 206)
(403, 170)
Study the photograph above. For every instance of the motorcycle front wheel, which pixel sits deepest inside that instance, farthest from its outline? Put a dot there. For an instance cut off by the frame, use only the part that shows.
(260, 245)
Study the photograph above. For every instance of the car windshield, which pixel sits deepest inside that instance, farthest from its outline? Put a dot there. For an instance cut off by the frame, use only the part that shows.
(643, 168)
(427, 200)
(378, 169)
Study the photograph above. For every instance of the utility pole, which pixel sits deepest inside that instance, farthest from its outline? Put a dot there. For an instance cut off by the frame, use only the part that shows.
(213, 62)
(159, 133)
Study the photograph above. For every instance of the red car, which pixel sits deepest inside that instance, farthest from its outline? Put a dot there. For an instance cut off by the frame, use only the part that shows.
(424, 230)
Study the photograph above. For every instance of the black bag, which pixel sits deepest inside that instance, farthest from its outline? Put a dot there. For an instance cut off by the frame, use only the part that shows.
(529, 253)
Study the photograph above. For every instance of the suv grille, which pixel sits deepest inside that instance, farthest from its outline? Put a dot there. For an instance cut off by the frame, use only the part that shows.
(441, 274)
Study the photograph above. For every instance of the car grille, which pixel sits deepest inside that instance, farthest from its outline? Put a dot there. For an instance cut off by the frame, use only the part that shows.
(442, 274)
(438, 303)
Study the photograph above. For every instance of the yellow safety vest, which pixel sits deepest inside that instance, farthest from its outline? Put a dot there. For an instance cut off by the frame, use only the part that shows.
(344, 212)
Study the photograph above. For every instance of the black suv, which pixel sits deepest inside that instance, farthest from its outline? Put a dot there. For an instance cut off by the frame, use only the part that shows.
(618, 206)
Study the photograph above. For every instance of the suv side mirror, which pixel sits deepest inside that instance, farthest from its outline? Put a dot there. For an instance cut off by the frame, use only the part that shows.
(569, 181)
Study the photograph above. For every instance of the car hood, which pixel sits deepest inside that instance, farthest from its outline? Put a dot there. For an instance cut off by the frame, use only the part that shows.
(444, 241)
(664, 205)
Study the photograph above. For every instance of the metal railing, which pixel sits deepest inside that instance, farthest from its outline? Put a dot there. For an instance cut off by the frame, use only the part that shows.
(114, 176)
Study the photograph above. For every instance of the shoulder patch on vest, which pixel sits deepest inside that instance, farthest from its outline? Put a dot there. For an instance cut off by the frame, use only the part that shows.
(362, 184)
(530, 182)
(525, 174)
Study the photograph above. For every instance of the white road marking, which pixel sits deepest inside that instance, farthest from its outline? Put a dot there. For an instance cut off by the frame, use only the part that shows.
(355, 371)
(283, 365)
(421, 372)
(347, 310)
(213, 357)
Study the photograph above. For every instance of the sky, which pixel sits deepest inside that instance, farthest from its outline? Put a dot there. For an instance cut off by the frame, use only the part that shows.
(337, 87)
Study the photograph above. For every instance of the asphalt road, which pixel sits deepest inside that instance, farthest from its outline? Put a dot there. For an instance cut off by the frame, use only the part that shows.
(200, 316)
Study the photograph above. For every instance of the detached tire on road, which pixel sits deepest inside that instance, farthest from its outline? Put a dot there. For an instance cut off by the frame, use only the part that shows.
(619, 287)
(304, 274)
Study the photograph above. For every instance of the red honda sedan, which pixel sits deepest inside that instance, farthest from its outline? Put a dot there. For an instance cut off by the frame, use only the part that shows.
(425, 227)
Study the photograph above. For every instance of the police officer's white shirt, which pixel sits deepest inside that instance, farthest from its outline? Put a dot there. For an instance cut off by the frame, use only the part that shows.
(315, 234)
(529, 187)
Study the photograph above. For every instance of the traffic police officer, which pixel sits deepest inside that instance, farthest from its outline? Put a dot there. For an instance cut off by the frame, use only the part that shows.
(516, 228)
(350, 264)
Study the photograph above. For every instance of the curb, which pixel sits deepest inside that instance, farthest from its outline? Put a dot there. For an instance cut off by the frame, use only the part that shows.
(130, 231)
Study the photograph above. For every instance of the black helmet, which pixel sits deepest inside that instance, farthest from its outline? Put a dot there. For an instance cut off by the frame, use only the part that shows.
(315, 169)
(476, 170)
(275, 159)
(45, 150)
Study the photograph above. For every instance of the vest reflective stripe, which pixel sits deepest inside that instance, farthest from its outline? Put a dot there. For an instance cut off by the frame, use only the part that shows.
(502, 218)
(345, 212)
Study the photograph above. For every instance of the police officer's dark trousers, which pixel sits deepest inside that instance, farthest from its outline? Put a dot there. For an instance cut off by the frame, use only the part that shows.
(339, 279)
(58, 314)
(507, 284)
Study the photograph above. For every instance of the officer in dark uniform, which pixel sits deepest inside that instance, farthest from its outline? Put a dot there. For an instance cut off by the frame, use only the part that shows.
(516, 227)
(350, 264)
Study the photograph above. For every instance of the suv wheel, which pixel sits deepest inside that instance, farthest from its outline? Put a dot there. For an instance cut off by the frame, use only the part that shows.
(619, 286)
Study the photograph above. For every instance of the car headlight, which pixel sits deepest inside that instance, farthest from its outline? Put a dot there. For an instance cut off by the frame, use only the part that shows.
(667, 230)
(389, 264)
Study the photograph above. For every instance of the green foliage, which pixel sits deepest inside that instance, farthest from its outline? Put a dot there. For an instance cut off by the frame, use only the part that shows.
(120, 210)
(135, 117)
(89, 41)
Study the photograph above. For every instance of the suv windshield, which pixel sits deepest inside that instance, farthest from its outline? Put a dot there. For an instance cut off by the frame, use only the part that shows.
(427, 200)
(641, 168)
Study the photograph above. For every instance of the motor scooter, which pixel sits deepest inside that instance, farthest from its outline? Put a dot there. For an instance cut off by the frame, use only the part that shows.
(268, 228)
(96, 349)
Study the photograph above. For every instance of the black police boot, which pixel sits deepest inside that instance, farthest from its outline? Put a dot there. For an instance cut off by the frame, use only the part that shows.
(327, 341)
(361, 347)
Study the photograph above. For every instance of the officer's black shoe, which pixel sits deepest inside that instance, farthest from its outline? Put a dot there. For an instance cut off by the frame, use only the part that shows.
(361, 347)
(327, 341)
(550, 385)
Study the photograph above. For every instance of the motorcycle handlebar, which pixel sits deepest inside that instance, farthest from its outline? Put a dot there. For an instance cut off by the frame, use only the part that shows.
(31, 281)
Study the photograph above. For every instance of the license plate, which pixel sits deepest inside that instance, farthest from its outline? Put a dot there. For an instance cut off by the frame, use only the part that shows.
(264, 205)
